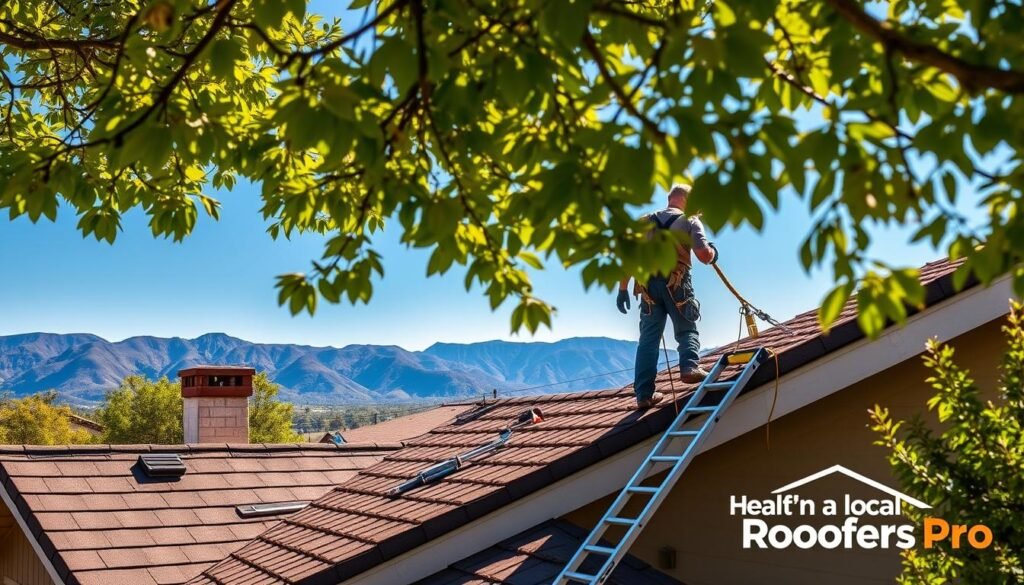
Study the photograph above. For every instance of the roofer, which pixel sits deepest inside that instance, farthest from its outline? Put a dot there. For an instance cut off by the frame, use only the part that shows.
(672, 297)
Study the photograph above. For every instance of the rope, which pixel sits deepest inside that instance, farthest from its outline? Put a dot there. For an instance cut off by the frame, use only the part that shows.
(775, 397)
(748, 307)
(672, 383)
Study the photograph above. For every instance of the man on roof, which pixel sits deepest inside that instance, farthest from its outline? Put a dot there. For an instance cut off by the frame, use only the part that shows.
(669, 297)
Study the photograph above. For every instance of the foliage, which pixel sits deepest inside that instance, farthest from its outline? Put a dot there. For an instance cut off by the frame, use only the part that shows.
(142, 411)
(270, 421)
(971, 471)
(38, 420)
(505, 136)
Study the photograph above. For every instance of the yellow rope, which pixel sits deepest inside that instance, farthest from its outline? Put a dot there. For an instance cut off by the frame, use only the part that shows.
(768, 424)
(728, 285)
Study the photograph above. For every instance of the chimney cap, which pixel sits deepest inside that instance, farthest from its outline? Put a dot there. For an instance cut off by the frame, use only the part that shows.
(217, 370)
(216, 382)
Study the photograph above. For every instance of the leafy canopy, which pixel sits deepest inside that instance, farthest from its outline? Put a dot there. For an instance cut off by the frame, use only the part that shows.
(144, 411)
(38, 420)
(506, 136)
(971, 471)
(270, 420)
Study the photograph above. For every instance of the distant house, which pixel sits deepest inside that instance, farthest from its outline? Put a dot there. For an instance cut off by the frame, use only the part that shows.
(519, 514)
(396, 429)
(83, 424)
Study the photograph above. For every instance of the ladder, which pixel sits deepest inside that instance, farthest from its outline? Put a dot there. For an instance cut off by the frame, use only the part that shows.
(677, 448)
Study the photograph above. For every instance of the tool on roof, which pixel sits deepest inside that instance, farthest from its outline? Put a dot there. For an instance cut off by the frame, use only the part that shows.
(748, 310)
(450, 466)
(677, 448)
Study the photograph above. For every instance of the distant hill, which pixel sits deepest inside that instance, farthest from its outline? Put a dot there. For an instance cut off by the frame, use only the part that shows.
(83, 366)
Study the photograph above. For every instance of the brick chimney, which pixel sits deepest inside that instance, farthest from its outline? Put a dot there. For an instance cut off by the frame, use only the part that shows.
(216, 403)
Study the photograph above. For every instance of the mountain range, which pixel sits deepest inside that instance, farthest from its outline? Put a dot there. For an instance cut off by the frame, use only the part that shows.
(81, 367)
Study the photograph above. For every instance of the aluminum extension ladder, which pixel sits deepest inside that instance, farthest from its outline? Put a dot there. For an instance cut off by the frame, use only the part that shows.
(678, 446)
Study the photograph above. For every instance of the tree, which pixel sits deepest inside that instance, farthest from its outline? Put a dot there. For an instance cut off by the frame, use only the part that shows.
(270, 421)
(508, 135)
(143, 411)
(971, 471)
(38, 420)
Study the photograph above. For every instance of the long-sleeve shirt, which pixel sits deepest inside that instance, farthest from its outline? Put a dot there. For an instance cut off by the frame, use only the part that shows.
(675, 220)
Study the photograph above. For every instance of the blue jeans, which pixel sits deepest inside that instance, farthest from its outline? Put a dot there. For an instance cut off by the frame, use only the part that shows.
(652, 326)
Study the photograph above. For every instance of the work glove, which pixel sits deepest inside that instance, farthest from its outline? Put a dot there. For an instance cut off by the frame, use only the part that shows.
(622, 301)
(714, 259)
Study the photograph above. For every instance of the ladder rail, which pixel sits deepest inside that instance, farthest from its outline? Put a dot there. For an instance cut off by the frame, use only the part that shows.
(656, 495)
(623, 496)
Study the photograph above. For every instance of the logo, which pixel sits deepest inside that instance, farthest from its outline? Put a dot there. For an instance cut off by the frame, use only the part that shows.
(844, 522)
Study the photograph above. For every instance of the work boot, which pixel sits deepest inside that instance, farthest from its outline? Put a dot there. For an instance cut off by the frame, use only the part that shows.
(654, 399)
(694, 375)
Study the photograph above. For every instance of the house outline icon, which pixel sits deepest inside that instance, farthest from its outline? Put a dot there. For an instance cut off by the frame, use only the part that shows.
(853, 475)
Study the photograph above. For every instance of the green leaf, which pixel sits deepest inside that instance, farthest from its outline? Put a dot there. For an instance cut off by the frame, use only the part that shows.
(833, 305)
(223, 55)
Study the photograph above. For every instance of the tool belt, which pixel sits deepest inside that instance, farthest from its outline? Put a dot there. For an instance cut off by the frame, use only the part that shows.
(688, 306)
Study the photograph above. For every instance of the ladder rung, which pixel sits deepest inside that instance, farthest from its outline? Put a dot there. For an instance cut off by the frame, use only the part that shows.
(683, 433)
(601, 550)
(642, 489)
(713, 385)
(665, 458)
(581, 577)
(701, 408)
(621, 521)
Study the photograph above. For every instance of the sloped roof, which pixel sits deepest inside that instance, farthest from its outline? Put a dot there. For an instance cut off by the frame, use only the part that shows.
(101, 521)
(356, 526)
(535, 556)
(405, 427)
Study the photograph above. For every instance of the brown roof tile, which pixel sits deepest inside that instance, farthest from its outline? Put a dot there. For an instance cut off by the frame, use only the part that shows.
(104, 522)
(579, 429)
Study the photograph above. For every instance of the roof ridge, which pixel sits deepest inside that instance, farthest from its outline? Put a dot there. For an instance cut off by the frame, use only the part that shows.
(94, 449)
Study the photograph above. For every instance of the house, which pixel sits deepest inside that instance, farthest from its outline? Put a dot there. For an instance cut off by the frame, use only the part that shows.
(396, 429)
(90, 514)
(80, 423)
(518, 515)
(407, 426)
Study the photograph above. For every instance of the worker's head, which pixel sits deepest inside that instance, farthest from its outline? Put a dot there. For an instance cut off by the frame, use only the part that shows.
(678, 195)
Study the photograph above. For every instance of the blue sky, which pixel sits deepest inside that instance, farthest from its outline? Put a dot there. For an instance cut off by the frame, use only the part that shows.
(221, 279)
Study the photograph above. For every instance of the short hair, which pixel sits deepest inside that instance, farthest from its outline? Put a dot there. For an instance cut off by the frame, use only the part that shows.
(679, 189)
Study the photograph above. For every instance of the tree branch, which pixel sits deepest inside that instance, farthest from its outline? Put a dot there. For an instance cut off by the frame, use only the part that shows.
(970, 75)
(41, 43)
(624, 100)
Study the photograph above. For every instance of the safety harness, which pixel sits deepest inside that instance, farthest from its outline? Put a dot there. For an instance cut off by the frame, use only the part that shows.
(689, 307)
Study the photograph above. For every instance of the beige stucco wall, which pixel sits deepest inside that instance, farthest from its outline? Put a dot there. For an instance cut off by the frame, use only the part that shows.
(19, 564)
(695, 519)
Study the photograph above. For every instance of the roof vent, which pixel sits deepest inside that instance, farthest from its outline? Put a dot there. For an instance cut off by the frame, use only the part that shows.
(257, 510)
(162, 465)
